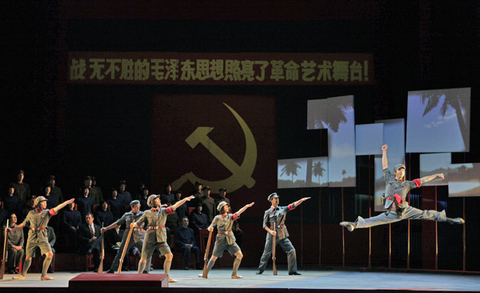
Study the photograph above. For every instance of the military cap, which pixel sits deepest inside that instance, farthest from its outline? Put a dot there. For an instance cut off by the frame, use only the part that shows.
(272, 195)
(221, 205)
(151, 200)
(398, 166)
(38, 200)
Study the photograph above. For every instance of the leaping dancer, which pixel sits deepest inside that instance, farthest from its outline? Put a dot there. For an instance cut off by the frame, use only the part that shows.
(397, 207)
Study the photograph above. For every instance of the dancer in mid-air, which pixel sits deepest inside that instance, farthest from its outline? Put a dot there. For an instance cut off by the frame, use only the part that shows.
(397, 207)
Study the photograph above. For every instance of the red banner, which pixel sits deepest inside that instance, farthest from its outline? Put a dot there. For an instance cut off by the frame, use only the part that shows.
(157, 68)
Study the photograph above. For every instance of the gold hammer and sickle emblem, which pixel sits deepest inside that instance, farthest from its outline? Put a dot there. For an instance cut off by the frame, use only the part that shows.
(241, 175)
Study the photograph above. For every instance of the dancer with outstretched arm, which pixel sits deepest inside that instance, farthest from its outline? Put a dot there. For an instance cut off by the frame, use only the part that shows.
(396, 204)
(225, 240)
(156, 234)
(37, 221)
(274, 223)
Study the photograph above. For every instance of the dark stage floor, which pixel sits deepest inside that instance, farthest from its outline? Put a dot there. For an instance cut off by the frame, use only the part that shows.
(325, 281)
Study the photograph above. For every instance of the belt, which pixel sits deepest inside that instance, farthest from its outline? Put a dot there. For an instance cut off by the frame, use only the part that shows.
(279, 226)
(40, 228)
(223, 232)
(155, 227)
(136, 229)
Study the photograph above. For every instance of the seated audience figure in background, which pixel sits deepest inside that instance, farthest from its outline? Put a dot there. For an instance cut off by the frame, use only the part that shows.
(185, 243)
(168, 197)
(56, 191)
(22, 189)
(12, 204)
(197, 192)
(143, 198)
(103, 217)
(88, 236)
(222, 196)
(51, 201)
(71, 221)
(116, 206)
(182, 210)
(209, 206)
(199, 219)
(96, 192)
(84, 203)
(15, 241)
(123, 195)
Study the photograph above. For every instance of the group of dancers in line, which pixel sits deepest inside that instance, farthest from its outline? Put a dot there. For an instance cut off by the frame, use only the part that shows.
(153, 222)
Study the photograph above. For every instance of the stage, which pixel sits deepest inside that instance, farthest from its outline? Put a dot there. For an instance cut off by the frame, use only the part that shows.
(325, 281)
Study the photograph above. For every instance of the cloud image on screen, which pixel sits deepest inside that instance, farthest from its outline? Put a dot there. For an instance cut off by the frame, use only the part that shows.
(302, 172)
(438, 121)
(394, 137)
(433, 164)
(341, 142)
(368, 139)
(464, 180)
(338, 116)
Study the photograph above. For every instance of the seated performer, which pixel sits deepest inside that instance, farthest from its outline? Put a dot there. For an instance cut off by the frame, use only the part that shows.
(395, 200)
(15, 246)
(156, 234)
(89, 241)
(225, 239)
(185, 243)
(37, 220)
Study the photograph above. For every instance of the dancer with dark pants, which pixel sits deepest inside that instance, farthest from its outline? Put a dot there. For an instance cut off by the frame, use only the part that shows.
(398, 209)
(37, 221)
(225, 239)
(274, 224)
(136, 238)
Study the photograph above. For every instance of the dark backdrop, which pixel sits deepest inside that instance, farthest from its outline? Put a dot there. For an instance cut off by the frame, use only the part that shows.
(70, 131)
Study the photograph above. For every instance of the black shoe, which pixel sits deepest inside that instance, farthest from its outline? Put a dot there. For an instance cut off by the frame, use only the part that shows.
(50, 271)
(186, 268)
(110, 271)
(126, 269)
(16, 271)
(11, 271)
(145, 272)
(259, 272)
(95, 270)
(295, 274)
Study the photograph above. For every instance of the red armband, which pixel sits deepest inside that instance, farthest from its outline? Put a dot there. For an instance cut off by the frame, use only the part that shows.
(417, 182)
(170, 210)
(399, 200)
(291, 206)
(235, 217)
(52, 212)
